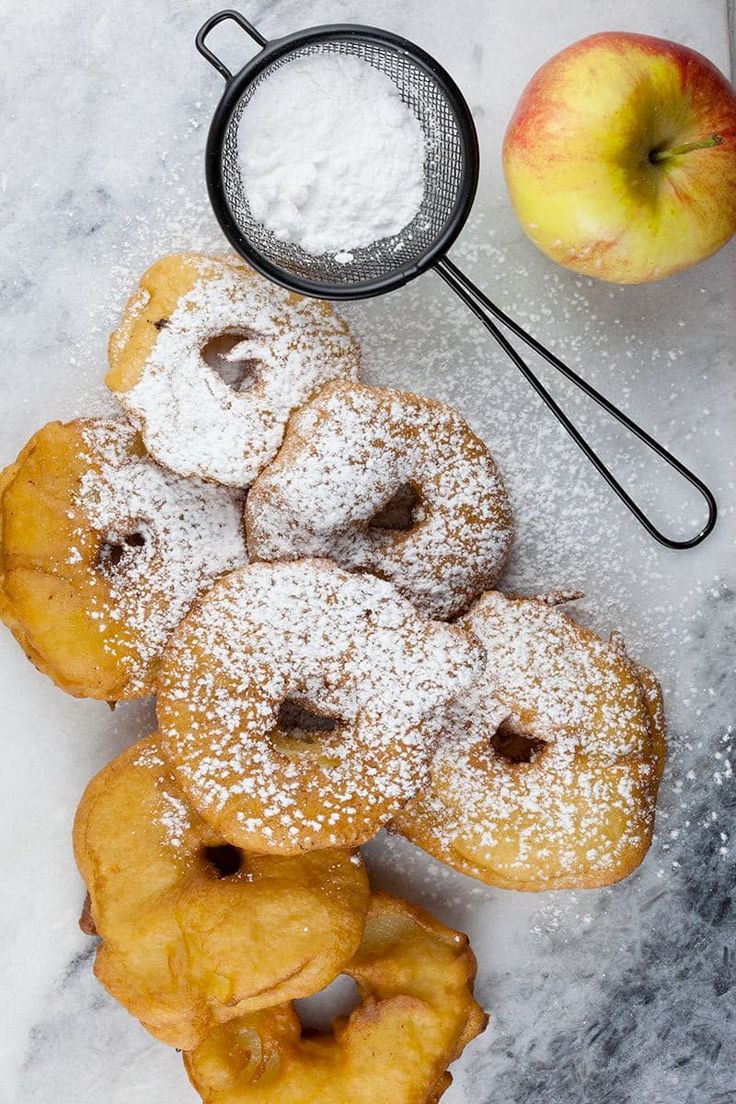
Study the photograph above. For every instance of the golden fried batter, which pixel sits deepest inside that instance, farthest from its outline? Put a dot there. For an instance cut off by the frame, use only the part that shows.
(416, 1016)
(102, 552)
(195, 932)
(546, 775)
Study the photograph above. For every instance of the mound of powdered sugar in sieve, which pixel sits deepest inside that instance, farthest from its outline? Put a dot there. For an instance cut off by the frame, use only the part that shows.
(330, 156)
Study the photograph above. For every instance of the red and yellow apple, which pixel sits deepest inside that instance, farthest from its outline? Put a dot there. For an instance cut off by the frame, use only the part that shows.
(620, 158)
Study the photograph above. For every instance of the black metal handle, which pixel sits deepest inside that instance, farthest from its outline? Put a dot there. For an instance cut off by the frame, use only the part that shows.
(479, 304)
(213, 20)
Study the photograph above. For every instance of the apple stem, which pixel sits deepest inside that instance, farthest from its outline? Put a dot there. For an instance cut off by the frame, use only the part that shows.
(704, 143)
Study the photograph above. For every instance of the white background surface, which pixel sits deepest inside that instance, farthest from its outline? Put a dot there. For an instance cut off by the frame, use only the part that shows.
(623, 995)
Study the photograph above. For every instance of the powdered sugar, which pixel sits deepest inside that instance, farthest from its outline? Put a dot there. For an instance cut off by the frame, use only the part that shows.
(351, 648)
(581, 810)
(330, 156)
(573, 688)
(190, 419)
(346, 455)
(175, 819)
(185, 534)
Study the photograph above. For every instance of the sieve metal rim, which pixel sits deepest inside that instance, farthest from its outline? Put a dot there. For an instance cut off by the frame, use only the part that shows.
(236, 86)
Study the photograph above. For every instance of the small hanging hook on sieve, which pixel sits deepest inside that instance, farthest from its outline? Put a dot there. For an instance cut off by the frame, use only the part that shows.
(210, 24)
(451, 176)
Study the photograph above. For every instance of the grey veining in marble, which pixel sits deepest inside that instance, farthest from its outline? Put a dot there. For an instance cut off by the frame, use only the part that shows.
(620, 996)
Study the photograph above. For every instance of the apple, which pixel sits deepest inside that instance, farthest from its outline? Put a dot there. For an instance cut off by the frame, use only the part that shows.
(620, 158)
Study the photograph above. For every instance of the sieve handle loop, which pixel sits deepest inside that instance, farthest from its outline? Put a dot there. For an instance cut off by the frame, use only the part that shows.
(482, 307)
(211, 23)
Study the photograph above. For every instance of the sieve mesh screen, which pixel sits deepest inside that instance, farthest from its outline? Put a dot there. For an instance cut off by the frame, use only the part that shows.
(444, 172)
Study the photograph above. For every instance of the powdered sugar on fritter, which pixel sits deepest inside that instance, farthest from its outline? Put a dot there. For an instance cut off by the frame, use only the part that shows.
(347, 645)
(584, 804)
(346, 455)
(577, 686)
(174, 819)
(190, 418)
(185, 534)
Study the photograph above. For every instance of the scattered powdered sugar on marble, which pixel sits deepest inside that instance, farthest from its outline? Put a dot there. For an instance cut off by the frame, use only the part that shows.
(185, 534)
(348, 645)
(570, 530)
(191, 419)
(579, 1011)
(330, 156)
(346, 455)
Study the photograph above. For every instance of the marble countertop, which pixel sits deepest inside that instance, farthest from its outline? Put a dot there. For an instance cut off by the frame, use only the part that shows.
(625, 995)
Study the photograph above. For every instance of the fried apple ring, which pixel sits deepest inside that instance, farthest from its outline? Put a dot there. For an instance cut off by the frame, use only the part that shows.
(417, 1014)
(270, 638)
(195, 932)
(274, 348)
(102, 552)
(388, 482)
(547, 773)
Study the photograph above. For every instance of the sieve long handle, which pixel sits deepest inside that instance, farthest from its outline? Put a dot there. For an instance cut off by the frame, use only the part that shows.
(210, 24)
(482, 307)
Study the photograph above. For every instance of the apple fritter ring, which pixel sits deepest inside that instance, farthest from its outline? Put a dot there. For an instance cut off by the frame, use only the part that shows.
(547, 773)
(294, 701)
(102, 552)
(210, 360)
(388, 482)
(194, 931)
(417, 1013)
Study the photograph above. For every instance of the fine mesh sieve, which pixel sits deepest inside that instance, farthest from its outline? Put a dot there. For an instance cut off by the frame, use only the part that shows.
(451, 163)
(450, 180)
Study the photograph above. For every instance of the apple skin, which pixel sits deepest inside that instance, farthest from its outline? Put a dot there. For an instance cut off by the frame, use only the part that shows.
(577, 158)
